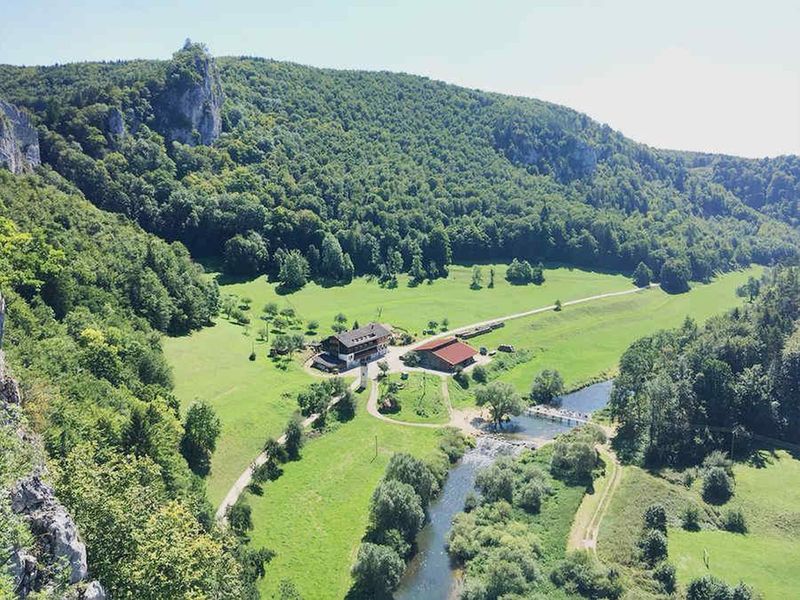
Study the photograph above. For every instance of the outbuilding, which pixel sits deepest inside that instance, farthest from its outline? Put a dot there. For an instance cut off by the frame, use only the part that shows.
(446, 354)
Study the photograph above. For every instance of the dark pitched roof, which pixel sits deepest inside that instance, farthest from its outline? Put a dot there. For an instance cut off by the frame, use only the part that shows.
(363, 334)
(455, 353)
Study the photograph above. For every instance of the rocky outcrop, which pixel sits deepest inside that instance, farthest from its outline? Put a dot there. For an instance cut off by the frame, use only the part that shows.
(19, 142)
(58, 549)
(115, 124)
(52, 526)
(188, 110)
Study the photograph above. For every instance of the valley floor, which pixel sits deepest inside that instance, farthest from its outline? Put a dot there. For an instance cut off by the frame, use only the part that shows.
(315, 514)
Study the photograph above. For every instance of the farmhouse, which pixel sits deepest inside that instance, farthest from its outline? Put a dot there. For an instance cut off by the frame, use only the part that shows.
(348, 349)
(446, 354)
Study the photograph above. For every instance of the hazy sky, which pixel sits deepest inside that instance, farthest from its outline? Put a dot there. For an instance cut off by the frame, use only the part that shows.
(700, 75)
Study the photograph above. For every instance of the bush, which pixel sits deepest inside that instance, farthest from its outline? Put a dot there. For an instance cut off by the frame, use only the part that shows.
(734, 521)
(496, 482)
(717, 485)
(479, 374)
(461, 378)
(580, 572)
(377, 570)
(690, 519)
(655, 517)
(471, 502)
(653, 547)
(709, 587)
(664, 573)
(529, 496)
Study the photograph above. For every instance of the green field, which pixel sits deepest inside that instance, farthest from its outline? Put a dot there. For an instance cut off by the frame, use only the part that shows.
(420, 398)
(252, 399)
(768, 555)
(314, 516)
(412, 307)
(765, 557)
(585, 341)
(255, 399)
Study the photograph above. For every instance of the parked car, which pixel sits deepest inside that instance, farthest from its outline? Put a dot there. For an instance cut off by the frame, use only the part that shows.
(505, 348)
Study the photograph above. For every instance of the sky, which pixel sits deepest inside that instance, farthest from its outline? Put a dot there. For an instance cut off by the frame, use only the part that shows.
(706, 75)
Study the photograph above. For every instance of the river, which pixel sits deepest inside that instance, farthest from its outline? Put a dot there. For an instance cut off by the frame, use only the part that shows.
(430, 575)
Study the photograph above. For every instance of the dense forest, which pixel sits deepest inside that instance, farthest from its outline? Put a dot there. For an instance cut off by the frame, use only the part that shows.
(681, 394)
(383, 173)
(86, 294)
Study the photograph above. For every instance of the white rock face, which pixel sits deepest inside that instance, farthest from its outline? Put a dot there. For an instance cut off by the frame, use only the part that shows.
(190, 114)
(19, 142)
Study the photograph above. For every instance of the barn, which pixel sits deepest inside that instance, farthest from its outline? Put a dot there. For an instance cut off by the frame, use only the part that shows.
(446, 354)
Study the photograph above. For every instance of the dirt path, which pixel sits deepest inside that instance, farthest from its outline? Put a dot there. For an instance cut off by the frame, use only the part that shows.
(247, 476)
(586, 526)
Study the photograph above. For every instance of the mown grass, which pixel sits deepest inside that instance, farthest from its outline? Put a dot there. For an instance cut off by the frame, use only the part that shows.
(584, 342)
(253, 399)
(420, 398)
(412, 308)
(765, 557)
(314, 516)
(768, 555)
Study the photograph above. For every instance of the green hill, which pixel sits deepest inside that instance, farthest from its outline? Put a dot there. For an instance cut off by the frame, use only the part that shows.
(375, 172)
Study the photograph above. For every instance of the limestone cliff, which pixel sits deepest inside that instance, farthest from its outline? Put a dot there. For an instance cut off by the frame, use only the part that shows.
(188, 109)
(55, 562)
(19, 142)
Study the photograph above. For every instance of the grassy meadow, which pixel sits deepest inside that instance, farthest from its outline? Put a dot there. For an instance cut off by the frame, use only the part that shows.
(253, 399)
(314, 516)
(768, 555)
(584, 342)
(420, 398)
(768, 494)
(412, 307)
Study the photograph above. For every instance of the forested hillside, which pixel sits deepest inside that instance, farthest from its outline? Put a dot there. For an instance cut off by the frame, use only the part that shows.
(86, 293)
(381, 173)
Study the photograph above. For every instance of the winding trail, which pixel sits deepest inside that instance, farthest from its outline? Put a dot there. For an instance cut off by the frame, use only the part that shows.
(460, 419)
(584, 534)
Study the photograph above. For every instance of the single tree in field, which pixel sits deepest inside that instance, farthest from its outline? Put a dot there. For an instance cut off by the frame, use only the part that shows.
(477, 277)
(295, 438)
(491, 277)
(502, 400)
(642, 275)
(675, 275)
(200, 432)
(271, 309)
(547, 386)
(240, 517)
(557, 306)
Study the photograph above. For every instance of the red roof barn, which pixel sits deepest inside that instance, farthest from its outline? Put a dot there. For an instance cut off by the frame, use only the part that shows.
(446, 354)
